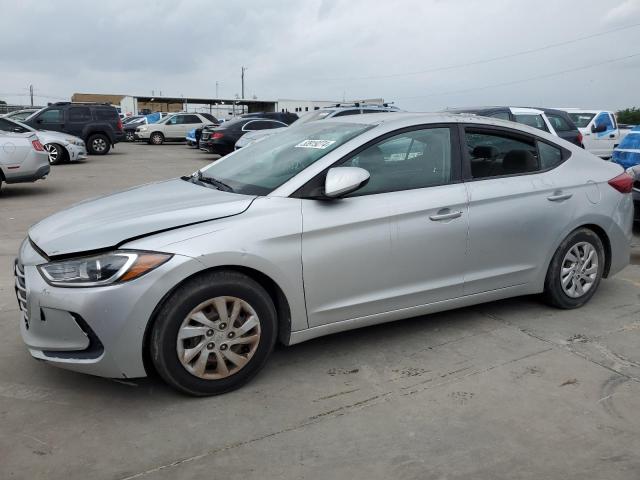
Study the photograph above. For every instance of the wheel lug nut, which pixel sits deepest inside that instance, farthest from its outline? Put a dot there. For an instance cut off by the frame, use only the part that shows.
(210, 346)
(223, 347)
(209, 332)
(231, 335)
(223, 326)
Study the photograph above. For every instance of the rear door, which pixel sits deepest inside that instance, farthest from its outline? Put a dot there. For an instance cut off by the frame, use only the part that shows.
(398, 242)
(189, 122)
(518, 206)
(77, 119)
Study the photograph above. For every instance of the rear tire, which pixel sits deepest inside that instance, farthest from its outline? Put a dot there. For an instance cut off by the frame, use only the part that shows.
(575, 271)
(98, 144)
(156, 138)
(200, 351)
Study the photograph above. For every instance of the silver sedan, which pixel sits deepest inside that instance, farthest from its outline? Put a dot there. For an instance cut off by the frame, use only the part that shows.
(331, 226)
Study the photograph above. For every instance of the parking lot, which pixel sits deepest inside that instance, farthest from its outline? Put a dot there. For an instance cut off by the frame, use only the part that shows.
(510, 389)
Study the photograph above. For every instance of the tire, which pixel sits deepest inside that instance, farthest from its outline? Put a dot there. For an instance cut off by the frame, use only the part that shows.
(57, 154)
(156, 138)
(582, 277)
(98, 144)
(130, 136)
(192, 312)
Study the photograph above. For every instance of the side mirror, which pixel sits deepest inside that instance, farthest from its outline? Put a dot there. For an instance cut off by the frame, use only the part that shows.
(341, 181)
(39, 120)
(599, 128)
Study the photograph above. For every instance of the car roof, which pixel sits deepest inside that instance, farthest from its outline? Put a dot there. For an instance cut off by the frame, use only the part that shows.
(580, 110)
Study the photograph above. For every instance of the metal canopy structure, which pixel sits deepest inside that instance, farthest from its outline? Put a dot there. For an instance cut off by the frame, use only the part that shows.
(250, 104)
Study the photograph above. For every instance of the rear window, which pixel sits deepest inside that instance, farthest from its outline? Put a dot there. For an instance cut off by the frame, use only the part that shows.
(559, 123)
(107, 114)
(535, 121)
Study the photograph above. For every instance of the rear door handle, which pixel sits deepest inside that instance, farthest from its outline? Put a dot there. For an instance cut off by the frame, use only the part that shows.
(445, 216)
(558, 197)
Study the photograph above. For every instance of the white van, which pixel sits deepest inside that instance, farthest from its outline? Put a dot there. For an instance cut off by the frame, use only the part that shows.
(600, 133)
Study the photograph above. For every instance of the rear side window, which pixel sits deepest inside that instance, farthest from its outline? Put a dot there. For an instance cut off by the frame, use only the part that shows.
(262, 125)
(210, 117)
(550, 156)
(107, 114)
(191, 119)
(493, 154)
(8, 126)
(559, 123)
(79, 114)
(535, 121)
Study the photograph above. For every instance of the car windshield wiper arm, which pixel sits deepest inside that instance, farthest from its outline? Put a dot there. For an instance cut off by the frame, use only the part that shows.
(212, 181)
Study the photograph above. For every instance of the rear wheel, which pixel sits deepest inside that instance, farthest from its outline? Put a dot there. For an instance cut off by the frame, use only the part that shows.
(156, 138)
(57, 154)
(576, 270)
(214, 333)
(98, 144)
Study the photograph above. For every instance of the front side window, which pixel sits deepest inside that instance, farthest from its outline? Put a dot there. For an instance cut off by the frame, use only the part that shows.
(493, 154)
(604, 119)
(535, 121)
(261, 167)
(53, 115)
(410, 160)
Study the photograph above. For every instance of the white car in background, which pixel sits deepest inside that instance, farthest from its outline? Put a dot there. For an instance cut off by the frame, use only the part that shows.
(600, 132)
(61, 147)
(173, 127)
(22, 158)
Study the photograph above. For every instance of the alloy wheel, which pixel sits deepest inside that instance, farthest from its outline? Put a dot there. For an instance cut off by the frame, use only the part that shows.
(218, 338)
(54, 154)
(579, 269)
(99, 145)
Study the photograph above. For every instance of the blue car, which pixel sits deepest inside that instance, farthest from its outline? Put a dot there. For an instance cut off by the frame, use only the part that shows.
(192, 141)
(627, 154)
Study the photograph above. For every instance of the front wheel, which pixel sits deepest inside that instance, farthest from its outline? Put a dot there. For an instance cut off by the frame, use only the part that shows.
(129, 136)
(98, 144)
(56, 153)
(214, 333)
(575, 270)
(156, 138)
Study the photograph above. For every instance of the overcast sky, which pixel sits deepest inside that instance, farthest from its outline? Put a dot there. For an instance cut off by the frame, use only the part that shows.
(326, 50)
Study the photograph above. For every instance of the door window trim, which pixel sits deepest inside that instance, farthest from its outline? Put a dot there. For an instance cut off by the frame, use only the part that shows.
(308, 191)
(508, 132)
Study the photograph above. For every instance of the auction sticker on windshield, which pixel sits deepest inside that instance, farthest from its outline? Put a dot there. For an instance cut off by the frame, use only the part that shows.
(320, 144)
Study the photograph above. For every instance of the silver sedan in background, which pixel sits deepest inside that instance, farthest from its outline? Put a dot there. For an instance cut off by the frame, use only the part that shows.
(327, 227)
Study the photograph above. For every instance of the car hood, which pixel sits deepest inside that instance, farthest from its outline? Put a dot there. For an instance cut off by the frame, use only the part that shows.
(111, 220)
(49, 136)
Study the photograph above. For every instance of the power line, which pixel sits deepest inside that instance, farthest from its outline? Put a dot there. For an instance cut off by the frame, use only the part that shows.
(523, 80)
(488, 60)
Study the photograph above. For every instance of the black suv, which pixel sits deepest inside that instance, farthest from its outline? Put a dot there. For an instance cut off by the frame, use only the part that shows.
(98, 124)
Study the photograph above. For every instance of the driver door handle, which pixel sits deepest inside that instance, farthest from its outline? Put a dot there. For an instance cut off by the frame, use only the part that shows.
(444, 216)
(558, 197)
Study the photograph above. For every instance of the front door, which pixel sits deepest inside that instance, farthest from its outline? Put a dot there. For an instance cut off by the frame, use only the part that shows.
(398, 242)
(602, 143)
(51, 119)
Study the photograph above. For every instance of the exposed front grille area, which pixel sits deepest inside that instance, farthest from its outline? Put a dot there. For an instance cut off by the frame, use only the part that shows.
(21, 292)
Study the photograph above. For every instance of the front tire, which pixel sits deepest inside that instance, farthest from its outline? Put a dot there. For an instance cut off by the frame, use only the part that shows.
(129, 136)
(98, 144)
(575, 271)
(156, 138)
(214, 333)
(57, 154)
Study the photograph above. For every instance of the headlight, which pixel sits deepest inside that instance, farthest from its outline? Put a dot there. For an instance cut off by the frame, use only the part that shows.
(75, 141)
(113, 267)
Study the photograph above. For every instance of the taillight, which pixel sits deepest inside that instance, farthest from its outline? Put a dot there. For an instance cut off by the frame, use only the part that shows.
(37, 145)
(580, 137)
(119, 127)
(622, 183)
(217, 135)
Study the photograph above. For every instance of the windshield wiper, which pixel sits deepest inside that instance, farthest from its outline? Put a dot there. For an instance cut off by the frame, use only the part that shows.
(199, 176)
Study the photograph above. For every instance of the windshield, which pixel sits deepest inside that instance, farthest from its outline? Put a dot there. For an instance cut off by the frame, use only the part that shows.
(581, 119)
(261, 167)
(312, 116)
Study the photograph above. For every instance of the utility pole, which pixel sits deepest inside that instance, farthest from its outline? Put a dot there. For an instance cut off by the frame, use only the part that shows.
(242, 77)
(31, 94)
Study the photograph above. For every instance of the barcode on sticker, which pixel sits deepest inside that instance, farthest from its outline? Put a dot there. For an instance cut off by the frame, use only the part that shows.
(321, 144)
